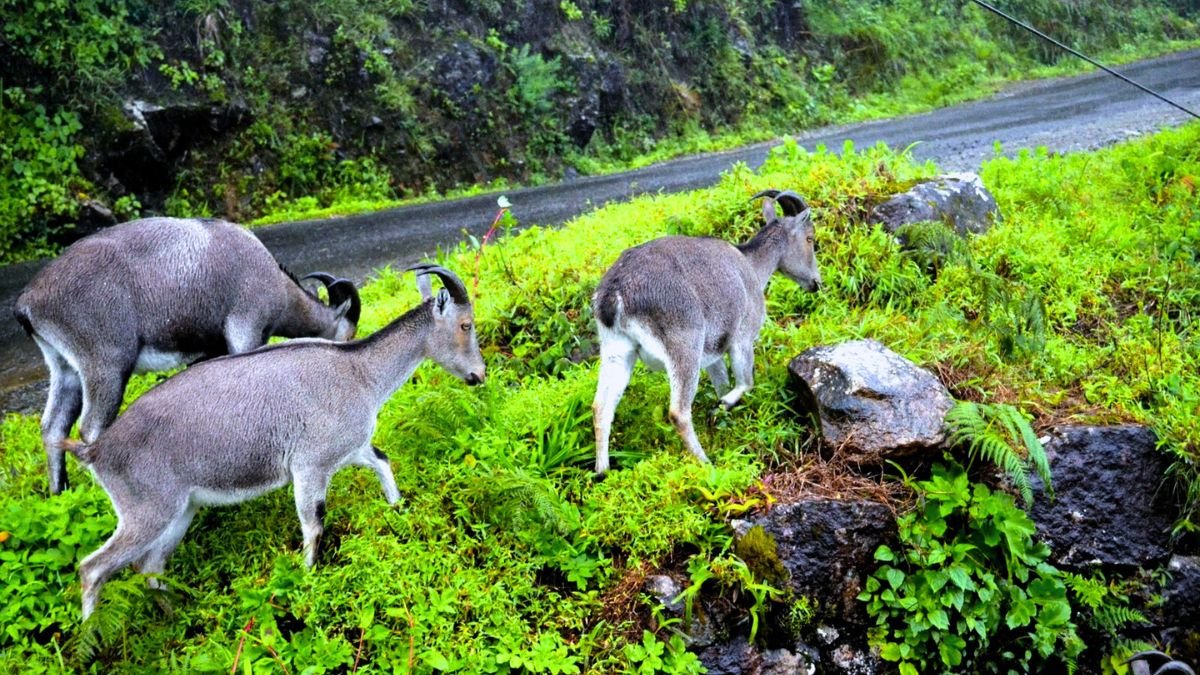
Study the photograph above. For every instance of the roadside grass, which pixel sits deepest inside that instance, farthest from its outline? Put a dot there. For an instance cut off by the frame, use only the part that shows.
(505, 555)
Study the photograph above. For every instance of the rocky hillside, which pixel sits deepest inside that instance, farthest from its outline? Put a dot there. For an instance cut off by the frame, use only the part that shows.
(113, 108)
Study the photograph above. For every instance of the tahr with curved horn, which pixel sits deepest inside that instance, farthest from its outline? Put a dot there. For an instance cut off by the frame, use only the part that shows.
(226, 430)
(156, 294)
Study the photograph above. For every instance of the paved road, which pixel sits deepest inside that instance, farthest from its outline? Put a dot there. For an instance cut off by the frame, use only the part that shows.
(1082, 112)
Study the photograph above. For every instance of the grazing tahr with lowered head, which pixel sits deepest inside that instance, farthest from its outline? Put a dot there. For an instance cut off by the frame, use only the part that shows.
(681, 304)
(230, 429)
(155, 294)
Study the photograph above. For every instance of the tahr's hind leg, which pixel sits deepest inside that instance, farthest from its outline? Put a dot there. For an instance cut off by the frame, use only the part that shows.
(103, 389)
(683, 370)
(63, 404)
(311, 487)
(718, 375)
(137, 531)
(741, 357)
(617, 358)
(374, 459)
(155, 559)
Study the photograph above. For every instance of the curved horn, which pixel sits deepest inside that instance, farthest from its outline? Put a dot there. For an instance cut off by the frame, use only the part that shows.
(1175, 667)
(340, 290)
(797, 203)
(324, 277)
(791, 203)
(451, 281)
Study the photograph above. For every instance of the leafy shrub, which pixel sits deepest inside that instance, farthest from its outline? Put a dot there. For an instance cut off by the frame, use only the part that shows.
(39, 174)
(969, 588)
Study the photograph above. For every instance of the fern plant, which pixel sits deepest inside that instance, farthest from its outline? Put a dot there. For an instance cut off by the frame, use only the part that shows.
(1104, 607)
(109, 624)
(999, 433)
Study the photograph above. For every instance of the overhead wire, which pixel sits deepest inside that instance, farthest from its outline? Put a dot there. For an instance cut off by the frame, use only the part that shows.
(1090, 60)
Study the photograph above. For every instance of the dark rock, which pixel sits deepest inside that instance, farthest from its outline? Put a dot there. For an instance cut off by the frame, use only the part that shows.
(600, 93)
(463, 72)
(851, 661)
(959, 200)
(871, 403)
(316, 48)
(1111, 508)
(93, 217)
(739, 657)
(1181, 596)
(828, 548)
(785, 662)
(734, 657)
(142, 159)
(180, 126)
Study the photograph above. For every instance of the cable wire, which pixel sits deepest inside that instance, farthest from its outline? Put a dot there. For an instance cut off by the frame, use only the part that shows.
(1090, 60)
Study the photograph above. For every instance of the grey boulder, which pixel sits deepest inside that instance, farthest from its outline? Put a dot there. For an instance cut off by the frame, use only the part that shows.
(871, 403)
(959, 200)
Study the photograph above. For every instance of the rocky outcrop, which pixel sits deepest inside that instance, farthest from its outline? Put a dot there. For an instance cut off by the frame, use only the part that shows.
(142, 158)
(599, 96)
(821, 550)
(1110, 508)
(462, 74)
(1180, 612)
(871, 403)
(959, 200)
(827, 547)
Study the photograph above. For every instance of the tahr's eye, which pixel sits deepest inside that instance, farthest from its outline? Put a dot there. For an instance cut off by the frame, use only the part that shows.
(466, 327)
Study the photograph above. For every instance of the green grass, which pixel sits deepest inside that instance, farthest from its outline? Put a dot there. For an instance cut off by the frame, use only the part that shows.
(505, 554)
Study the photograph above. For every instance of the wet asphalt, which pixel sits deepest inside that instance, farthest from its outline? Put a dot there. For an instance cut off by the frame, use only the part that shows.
(1065, 114)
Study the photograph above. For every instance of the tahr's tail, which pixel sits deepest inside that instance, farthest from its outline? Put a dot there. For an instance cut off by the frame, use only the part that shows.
(84, 452)
(21, 314)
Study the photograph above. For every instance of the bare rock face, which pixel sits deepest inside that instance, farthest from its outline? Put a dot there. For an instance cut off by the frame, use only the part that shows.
(1180, 595)
(959, 200)
(871, 402)
(1111, 508)
(738, 657)
(143, 157)
(1180, 611)
(827, 547)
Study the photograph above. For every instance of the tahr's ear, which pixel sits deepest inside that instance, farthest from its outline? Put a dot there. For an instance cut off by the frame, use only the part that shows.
(343, 309)
(423, 285)
(443, 303)
(769, 214)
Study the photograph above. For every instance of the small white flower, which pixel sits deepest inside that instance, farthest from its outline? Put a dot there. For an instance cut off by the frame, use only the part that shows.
(503, 202)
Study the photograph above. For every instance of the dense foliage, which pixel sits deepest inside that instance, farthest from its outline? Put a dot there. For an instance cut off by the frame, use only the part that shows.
(301, 107)
(970, 590)
(506, 555)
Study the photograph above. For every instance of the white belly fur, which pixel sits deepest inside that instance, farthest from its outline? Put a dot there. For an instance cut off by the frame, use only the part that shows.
(152, 360)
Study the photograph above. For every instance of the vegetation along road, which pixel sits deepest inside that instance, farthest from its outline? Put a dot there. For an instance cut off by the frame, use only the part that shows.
(1064, 114)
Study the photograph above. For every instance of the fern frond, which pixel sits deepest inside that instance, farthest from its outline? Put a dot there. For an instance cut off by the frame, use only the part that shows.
(118, 600)
(996, 433)
(1112, 618)
(517, 500)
